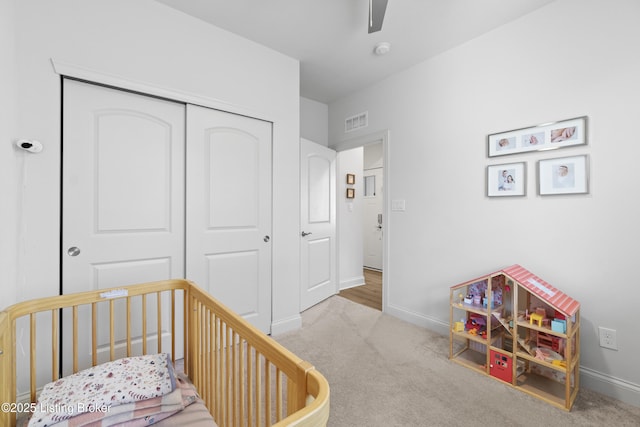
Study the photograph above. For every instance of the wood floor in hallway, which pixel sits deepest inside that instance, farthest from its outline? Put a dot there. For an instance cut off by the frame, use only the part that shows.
(369, 294)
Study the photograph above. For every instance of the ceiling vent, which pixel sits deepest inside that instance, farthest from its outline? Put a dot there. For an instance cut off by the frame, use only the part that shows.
(356, 122)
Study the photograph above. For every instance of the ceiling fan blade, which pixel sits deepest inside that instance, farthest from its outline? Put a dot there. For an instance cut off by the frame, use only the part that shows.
(377, 9)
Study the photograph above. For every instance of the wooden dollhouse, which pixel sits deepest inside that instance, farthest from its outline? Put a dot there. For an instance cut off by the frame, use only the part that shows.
(515, 327)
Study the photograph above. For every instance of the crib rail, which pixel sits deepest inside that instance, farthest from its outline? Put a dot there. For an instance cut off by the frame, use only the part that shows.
(244, 377)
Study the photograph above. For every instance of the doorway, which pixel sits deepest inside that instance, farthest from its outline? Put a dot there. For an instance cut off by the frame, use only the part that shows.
(372, 288)
(372, 201)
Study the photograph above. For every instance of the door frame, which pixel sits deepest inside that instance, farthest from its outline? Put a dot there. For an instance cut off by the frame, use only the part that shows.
(361, 141)
(76, 72)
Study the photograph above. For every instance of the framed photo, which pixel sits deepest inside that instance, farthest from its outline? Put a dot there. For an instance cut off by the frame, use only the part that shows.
(351, 193)
(506, 180)
(351, 179)
(564, 175)
(547, 136)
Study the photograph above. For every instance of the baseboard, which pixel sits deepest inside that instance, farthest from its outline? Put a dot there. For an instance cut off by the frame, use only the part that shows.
(352, 282)
(285, 325)
(599, 382)
(617, 388)
(431, 323)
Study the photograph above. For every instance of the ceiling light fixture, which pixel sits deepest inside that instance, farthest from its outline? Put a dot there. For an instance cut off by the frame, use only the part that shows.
(382, 48)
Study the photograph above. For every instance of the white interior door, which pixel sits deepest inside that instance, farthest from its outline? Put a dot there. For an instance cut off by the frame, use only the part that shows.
(123, 193)
(373, 222)
(229, 210)
(318, 223)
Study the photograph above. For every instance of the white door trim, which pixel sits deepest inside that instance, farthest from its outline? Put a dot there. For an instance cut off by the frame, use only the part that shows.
(121, 82)
(360, 141)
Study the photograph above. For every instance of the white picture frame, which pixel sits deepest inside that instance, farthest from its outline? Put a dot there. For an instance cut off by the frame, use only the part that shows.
(507, 180)
(563, 175)
(547, 136)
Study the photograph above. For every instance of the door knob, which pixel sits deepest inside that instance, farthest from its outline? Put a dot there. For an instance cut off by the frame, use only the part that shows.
(305, 234)
(73, 251)
(266, 238)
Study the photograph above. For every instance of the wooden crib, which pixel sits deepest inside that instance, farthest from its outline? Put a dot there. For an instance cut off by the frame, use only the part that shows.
(244, 377)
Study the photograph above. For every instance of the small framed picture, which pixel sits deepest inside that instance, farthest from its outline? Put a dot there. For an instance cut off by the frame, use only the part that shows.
(506, 180)
(564, 175)
(351, 179)
(547, 136)
(351, 193)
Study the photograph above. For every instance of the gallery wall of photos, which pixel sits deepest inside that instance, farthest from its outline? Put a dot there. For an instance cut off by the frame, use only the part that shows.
(555, 175)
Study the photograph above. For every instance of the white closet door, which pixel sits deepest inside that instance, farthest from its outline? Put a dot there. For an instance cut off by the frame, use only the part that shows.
(229, 210)
(123, 192)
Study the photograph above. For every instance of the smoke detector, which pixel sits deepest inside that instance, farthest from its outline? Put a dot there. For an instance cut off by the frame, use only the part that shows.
(382, 48)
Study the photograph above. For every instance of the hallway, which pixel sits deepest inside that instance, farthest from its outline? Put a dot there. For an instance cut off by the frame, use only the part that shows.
(369, 294)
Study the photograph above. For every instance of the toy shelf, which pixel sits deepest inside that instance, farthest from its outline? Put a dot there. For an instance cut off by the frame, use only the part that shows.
(471, 359)
(514, 327)
(495, 336)
(550, 391)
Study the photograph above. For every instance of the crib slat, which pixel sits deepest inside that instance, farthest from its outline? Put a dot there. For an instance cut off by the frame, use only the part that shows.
(250, 380)
(54, 345)
(213, 357)
(74, 323)
(173, 326)
(242, 379)
(159, 318)
(208, 347)
(128, 326)
(94, 334)
(258, 401)
(229, 373)
(217, 369)
(32, 331)
(112, 332)
(202, 349)
(267, 392)
(278, 394)
(185, 336)
(233, 396)
(144, 324)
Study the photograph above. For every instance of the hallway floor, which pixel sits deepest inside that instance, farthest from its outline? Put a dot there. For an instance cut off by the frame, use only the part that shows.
(369, 294)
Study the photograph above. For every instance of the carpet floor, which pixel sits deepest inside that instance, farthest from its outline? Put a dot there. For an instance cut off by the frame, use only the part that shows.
(386, 372)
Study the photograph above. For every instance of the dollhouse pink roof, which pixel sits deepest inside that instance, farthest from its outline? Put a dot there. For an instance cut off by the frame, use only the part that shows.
(542, 289)
(538, 287)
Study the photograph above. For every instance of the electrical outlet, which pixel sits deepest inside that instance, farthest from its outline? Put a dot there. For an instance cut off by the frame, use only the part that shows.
(608, 338)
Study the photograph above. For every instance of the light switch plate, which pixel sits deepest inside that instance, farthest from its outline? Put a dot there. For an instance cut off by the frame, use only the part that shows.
(398, 205)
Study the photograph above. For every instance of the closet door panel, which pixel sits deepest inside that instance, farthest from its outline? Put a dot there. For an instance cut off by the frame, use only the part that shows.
(123, 179)
(229, 210)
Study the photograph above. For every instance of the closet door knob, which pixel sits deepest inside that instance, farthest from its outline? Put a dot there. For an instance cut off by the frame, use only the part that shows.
(73, 251)
(305, 234)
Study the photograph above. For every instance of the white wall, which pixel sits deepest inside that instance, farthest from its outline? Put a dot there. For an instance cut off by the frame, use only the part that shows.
(314, 121)
(9, 155)
(568, 59)
(350, 251)
(147, 42)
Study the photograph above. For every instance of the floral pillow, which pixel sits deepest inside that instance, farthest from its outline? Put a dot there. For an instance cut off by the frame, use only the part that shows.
(101, 387)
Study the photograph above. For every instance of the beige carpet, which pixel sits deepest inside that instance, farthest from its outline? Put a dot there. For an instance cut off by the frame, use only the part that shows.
(386, 372)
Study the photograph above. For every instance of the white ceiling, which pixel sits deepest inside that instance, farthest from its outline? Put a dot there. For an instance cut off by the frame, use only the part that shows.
(330, 39)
